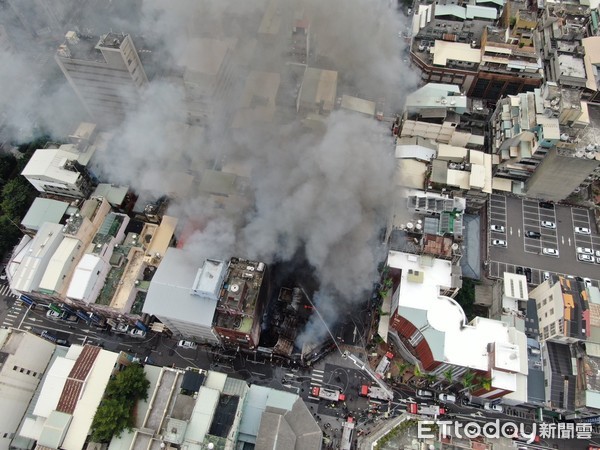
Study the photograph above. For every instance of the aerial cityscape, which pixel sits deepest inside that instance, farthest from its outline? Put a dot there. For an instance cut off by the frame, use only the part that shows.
(299, 224)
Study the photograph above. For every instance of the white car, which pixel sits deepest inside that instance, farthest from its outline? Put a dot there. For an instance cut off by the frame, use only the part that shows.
(587, 251)
(548, 224)
(53, 315)
(490, 407)
(447, 398)
(597, 252)
(499, 243)
(498, 228)
(187, 344)
(585, 258)
(587, 282)
(121, 328)
(135, 332)
(582, 230)
(550, 251)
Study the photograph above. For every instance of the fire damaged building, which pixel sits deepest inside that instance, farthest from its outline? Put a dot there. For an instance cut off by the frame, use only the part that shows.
(237, 319)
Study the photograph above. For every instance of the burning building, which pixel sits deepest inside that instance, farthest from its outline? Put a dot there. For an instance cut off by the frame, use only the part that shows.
(237, 320)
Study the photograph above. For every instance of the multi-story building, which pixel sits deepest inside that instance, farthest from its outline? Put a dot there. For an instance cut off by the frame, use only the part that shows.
(193, 295)
(563, 310)
(61, 414)
(208, 409)
(507, 65)
(521, 135)
(239, 311)
(25, 358)
(458, 45)
(207, 77)
(562, 171)
(106, 74)
(42, 18)
(90, 273)
(431, 330)
(30, 269)
(57, 171)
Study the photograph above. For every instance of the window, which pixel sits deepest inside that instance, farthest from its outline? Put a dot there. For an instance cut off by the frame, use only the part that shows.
(15, 367)
(552, 328)
(551, 311)
(544, 302)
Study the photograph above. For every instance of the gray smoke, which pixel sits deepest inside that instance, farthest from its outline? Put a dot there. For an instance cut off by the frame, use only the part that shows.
(324, 186)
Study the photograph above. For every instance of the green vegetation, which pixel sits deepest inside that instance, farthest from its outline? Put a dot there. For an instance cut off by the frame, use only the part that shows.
(400, 429)
(16, 194)
(116, 411)
(466, 298)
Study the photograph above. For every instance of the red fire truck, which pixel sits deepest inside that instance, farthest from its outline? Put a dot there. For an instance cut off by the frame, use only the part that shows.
(328, 394)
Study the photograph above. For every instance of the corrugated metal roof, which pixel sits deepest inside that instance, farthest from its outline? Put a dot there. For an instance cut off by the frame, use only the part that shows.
(44, 210)
(72, 389)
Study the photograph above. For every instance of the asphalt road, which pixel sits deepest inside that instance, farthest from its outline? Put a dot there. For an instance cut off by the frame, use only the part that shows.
(520, 215)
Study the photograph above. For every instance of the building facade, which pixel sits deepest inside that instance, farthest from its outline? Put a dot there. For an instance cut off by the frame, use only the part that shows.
(106, 74)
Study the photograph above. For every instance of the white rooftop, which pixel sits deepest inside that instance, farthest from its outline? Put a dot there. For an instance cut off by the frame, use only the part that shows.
(59, 264)
(32, 268)
(209, 279)
(85, 276)
(48, 164)
(442, 320)
(445, 51)
(515, 286)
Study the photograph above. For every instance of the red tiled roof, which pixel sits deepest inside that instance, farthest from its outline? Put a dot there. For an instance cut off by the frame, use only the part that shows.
(79, 372)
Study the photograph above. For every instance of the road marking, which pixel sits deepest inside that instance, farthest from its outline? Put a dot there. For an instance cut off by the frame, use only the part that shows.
(562, 240)
(11, 315)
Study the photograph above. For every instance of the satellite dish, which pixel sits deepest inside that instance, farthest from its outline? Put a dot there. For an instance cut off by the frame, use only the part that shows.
(234, 288)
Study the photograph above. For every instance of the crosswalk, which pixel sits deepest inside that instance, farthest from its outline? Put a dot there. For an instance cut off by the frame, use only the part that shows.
(316, 377)
(12, 316)
(6, 292)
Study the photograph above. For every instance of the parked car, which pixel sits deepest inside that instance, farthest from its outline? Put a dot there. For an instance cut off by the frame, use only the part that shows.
(121, 328)
(548, 224)
(587, 282)
(447, 398)
(528, 274)
(583, 230)
(499, 243)
(533, 234)
(498, 228)
(493, 407)
(585, 258)
(546, 276)
(587, 251)
(424, 393)
(136, 332)
(187, 344)
(53, 315)
(546, 205)
(550, 251)
(597, 252)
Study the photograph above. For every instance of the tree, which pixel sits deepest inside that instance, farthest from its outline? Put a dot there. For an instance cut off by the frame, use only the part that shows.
(112, 417)
(9, 234)
(7, 166)
(130, 383)
(115, 413)
(485, 383)
(448, 376)
(17, 195)
(468, 381)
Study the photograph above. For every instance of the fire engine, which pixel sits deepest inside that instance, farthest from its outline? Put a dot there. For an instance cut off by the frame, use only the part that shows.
(328, 394)
(425, 410)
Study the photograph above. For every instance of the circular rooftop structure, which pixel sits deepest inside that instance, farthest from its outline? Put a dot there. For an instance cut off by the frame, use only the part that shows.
(446, 315)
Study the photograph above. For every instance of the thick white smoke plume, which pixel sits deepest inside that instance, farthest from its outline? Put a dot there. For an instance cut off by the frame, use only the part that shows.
(322, 184)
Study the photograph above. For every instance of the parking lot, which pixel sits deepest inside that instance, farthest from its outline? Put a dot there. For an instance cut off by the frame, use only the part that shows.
(528, 244)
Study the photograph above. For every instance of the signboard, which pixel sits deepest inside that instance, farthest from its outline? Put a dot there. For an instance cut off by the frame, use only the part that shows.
(27, 300)
(139, 324)
(82, 316)
(595, 420)
(55, 308)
